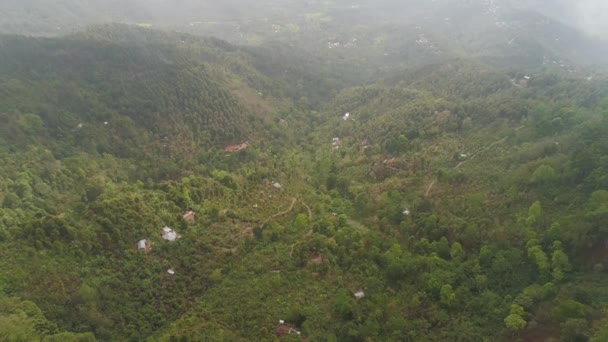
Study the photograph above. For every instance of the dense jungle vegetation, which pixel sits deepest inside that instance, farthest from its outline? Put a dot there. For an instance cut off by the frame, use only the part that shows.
(457, 198)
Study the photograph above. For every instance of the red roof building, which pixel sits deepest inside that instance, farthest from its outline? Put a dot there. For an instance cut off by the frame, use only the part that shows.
(236, 148)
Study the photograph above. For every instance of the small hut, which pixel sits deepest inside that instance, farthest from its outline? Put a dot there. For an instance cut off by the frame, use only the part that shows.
(359, 294)
(236, 148)
(169, 234)
(315, 260)
(189, 216)
(144, 245)
(286, 329)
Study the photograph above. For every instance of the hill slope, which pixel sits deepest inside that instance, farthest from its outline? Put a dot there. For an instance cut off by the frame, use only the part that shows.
(87, 119)
(109, 86)
(463, 210)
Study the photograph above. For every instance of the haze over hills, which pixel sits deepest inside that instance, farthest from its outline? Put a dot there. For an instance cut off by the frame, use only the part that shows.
(384, 33)
(586, 15)
(302, 171)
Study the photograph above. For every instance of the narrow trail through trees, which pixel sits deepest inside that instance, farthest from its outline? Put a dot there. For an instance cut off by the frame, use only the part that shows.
(281, 213)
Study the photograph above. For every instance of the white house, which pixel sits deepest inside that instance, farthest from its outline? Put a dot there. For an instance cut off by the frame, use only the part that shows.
(359, 294)
(141, 244)
(169, 234)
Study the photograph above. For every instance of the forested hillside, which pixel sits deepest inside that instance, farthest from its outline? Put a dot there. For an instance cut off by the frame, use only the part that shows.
(116, 89)
(464, 210)
(454, 201)
(99, 128)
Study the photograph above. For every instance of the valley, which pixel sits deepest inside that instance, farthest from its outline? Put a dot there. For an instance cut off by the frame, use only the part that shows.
(463, 198)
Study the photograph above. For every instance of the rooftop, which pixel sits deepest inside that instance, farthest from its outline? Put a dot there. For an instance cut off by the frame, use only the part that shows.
(169, 234)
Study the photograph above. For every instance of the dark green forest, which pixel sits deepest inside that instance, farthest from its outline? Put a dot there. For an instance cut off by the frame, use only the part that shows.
(412, 198)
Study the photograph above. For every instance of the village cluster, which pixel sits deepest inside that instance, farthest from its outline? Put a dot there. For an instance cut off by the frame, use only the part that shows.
(167, 234)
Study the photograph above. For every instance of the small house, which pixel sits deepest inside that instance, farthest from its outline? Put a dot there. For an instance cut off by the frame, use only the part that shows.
(390, 162)
(364, 144)
(359, 294)
(286, 329)
(189, 216)
(141, 244)
(169, 234)
(316, 260)
(144, 245)
(171, 271)
(236, 148)
(335, 143)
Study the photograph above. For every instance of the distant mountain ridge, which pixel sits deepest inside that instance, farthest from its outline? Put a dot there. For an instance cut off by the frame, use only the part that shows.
(391, 32)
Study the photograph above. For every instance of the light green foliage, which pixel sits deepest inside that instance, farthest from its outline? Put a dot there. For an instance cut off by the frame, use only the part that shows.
(543, 175)
(600, 335)
(559, 262)
(570, 309)
(24, 321)
(514, 321)
(535, 213)
(447, 295)
(533, 294)
(516, 310)
(301, 222)
(216, 275)
(457, 252)
(31, 124)
(536, 253)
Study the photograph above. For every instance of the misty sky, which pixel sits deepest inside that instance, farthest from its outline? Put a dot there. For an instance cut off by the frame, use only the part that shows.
(592, 16)
(589, 15)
